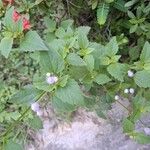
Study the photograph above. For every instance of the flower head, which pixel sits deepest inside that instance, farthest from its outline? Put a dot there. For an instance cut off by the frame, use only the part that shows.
(51, 79)
(26, 24)
(16, 16)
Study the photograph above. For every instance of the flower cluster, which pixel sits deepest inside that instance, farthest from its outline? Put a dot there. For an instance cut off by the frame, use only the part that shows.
(26, 23)
(51, 79)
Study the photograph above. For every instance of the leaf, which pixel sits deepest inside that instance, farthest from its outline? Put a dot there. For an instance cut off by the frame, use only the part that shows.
(141, 138)
(119, 4)
(8, 21)
(6, 46)
(112, 47)
(50, 24)
(83, 40)
(11, 145)
(83, 29)
(66, 23)
(102, 79)
(133, 28)
(128, 126)
(51, 61)
(32, 42)
(71, 93)
(89, 60)
(145, 55)
(27, 95)
(35, 123)
(61, 106)
(142, 78)
(94, 4)
(75, 60)
(102, 13)
(118, 71)
(130, 3)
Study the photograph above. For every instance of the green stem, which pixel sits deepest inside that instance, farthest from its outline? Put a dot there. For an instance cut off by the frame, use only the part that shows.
(19, 119)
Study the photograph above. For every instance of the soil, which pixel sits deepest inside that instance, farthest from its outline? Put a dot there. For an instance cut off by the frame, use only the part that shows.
(88, 132)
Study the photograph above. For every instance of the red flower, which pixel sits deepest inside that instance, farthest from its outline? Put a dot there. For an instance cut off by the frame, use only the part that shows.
(26, 24)
(16, 16)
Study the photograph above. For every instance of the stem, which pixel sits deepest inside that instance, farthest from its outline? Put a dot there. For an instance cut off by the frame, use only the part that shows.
(19, 119)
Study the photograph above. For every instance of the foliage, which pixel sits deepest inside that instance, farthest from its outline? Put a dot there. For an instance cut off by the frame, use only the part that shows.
(44, 52)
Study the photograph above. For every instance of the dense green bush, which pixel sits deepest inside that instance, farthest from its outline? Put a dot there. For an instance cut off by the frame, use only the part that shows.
(76, 53)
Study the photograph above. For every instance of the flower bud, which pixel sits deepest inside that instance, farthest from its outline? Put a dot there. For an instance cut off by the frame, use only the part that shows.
(116, 97)
(130, 74)
(126, 91)
(131, 90)
(48, 74)
(35, 106)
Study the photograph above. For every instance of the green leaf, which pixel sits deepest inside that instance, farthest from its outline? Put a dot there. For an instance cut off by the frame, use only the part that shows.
(142, 78)
(102, 79)
(141, 138)
(50, 24)
(131, 15)
(66, 23)
(75, 60)
(11, 145)
(130, 3)
(32, 42)
(128, 126)
(145, 55)
(61, 106)
(63, 80)
(119, 4)
(27, 95)
(51, 61)
(118, 71)
(83, 40)
(83, 29)
(112, 47)
(36, 123)
(133, 28)
(89, 60)
(102, 13)
(71, 93)
(8, 21)
(78, 73)
(6, 46)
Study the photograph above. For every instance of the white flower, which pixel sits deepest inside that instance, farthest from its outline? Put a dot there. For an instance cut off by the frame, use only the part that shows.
(126, 91)
(131, 90)
(39, 113)
(51, 79)
(130, 73)
(147, 131)
(116, 97)
(48, 74)
(35, 106)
